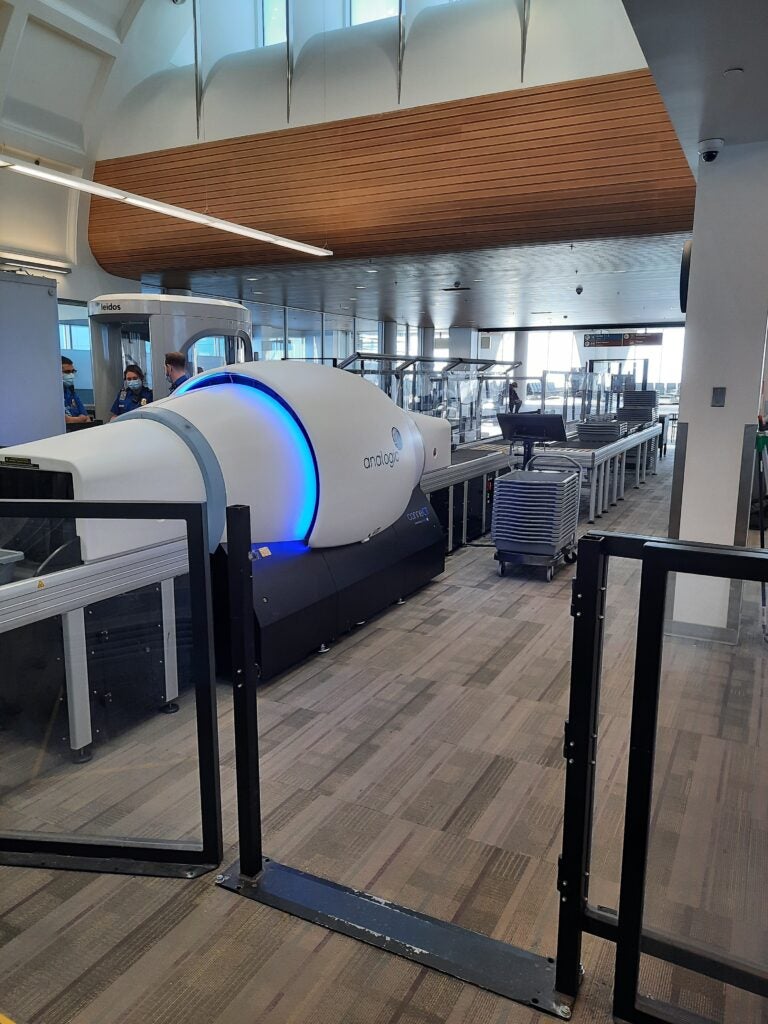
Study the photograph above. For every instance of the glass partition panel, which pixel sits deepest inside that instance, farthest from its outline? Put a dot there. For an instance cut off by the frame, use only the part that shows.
(101, 664)
(304, 335)
(268, 330)
(338, 340)
(368, 335)
(706, 881)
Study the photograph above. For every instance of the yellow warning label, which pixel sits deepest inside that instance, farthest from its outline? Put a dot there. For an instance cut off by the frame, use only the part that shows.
(40, 586)
(265, 552)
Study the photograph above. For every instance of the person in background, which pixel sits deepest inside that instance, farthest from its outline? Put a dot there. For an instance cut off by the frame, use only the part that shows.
(175, 370)
(515, 402)
(74, 410)
(134, 393)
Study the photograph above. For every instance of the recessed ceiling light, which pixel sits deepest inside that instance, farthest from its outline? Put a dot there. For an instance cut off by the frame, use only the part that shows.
(360, 287)
(251, 279)
(369, 270)
(258, 293)
(735, 72)
(477, 280)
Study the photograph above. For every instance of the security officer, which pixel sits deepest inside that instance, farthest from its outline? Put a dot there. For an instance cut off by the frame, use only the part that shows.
(175, 370)
(74, 410)
(134, 393)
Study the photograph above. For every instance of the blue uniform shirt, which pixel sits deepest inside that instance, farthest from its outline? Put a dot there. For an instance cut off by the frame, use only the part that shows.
(127, 400)
(73, 405)
(177, 383)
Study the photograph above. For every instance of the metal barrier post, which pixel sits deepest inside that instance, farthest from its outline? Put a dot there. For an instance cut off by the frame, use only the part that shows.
(588, 610)
(244, 681)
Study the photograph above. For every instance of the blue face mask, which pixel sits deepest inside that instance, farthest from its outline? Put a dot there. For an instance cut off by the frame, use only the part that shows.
(134, 385)
(68, 378)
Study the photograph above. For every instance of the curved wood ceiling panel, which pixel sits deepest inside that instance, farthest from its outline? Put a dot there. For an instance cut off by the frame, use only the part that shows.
(587, 159)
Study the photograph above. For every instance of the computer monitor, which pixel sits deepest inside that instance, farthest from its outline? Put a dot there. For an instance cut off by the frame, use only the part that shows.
(531, 426)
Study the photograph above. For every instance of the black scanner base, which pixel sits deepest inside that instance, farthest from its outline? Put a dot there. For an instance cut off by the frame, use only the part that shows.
(304, 597)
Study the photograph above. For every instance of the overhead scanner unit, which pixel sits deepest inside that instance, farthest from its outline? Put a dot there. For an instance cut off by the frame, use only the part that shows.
(328, 464)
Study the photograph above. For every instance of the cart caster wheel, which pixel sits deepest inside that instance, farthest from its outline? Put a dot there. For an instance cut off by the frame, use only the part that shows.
(550, 573)
(570, 557)
(502, 568)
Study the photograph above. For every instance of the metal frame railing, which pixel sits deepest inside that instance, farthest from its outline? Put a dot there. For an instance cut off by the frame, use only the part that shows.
(624, 927)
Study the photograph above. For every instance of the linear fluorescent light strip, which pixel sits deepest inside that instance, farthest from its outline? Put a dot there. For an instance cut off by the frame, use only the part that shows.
(35, 263)
(179, 212)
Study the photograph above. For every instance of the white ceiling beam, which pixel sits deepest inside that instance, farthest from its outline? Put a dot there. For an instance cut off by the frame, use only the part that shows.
(129, 14)
(71, 22)
(10, 47)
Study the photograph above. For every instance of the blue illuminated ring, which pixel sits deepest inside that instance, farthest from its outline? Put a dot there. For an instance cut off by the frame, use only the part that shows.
(226, 377)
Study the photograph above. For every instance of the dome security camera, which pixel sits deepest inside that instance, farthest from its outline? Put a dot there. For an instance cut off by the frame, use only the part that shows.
(709, 149)
(579, 289)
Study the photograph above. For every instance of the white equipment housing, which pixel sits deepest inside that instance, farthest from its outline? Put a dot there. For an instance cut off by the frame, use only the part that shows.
(319, 454)
(121, 326)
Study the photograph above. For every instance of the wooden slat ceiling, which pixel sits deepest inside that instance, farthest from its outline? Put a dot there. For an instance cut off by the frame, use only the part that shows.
(586, 159)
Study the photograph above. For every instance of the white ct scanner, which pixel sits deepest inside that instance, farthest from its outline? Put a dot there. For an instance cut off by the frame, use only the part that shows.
(319, 455)
(328, 465)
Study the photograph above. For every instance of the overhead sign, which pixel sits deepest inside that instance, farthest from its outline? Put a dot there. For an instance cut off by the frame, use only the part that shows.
(617, 339)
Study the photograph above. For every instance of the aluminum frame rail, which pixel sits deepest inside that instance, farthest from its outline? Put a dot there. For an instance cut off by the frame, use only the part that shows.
(63, 591)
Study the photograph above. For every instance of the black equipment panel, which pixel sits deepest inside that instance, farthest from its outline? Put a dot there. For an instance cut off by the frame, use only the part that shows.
(304, 598)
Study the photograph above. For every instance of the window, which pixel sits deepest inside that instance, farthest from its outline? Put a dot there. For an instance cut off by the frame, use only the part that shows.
(273, 26)
(373, 10)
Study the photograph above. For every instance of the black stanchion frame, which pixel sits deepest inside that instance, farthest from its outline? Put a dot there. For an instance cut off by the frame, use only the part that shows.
(659, 558)
(514, 973)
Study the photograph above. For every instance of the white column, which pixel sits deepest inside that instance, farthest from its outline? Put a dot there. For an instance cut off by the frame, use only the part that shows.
(463, 342)
(521, 351)
(724, 348)
(389, 337)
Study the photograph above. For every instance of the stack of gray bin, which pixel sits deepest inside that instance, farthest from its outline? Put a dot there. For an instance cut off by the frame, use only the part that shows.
(601, 433)
(639, 406)
(535, 516)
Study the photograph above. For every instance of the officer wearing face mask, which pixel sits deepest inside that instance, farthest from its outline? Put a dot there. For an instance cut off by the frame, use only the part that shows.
(74, 410)
(134, 393)
(175, 370)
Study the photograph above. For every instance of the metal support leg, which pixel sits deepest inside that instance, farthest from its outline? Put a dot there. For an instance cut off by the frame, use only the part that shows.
(592, 494)
(580, 748)
(243, 654)
(615, 480)
(485, 502)
(600, 487)
(78, 690)
(465, 503)
(449, 547)
(606, 484)
(637, 451)
(171, 691)
(622, 475)
(643, 461)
